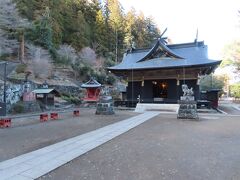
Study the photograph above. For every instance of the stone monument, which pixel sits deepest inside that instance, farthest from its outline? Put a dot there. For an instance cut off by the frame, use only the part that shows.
(187, 104)
(105, 104)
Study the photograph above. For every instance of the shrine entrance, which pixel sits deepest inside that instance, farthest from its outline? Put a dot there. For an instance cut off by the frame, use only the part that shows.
(160, 89)
(92, 94)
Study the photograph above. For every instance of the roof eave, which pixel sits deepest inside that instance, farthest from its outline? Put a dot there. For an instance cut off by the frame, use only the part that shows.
(169, 67)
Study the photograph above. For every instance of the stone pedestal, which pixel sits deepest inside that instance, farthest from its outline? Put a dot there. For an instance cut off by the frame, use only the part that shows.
(187, 104)
(104, 109)
(187, 109)
(187, 98)
(105, 106)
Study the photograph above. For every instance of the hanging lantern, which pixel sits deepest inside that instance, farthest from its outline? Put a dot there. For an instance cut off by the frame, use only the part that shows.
(198, 80)
(178, 82)
(142, 84)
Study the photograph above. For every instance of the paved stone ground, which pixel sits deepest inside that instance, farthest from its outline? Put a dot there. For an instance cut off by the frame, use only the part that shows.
(28, 134)
(229, 107)
(164, 148)
(37, 163)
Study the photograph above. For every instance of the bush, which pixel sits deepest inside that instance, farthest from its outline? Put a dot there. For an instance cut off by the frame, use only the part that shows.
(235, 90)
(111, 79)
(99, 76)
(75, 100)
(210, 82)
(62, 60)
(109, 62)
(21, 68)
(83, 70)
(72, 99)
(18, 108)
(115, 94)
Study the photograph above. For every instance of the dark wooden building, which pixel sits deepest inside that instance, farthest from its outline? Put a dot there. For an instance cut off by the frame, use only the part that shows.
(155, 75)
(46, 96)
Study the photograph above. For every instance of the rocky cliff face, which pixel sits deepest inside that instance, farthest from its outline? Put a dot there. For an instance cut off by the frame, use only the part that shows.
(13, 93)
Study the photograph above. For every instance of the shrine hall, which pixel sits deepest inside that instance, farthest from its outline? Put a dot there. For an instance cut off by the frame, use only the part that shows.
(155, 75)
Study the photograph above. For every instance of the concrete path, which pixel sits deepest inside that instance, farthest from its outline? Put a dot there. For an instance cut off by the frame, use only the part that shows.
(37, 163)
(229, 107)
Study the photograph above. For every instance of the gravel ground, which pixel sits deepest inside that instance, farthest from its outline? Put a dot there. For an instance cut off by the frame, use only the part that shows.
(164, 148)
(28, 134)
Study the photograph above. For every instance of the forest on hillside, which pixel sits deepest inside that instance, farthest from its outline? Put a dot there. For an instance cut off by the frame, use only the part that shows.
(86, 35)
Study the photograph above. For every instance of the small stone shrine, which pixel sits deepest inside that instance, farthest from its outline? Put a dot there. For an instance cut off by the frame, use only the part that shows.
(105, 105)
(188, 105)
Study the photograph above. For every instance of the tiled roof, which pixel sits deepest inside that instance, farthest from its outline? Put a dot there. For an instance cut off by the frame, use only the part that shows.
(180, 55)
(91, 83)
(42, 91)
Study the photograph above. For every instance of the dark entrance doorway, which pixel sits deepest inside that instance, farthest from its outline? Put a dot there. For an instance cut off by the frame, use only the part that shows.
(160, 89)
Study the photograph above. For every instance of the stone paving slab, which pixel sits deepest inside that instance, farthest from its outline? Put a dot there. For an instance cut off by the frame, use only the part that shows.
(28, 134)
(163, 148)
(37, 163)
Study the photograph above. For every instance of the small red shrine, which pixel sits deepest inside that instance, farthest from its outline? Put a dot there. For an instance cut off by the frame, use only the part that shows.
(93, 90)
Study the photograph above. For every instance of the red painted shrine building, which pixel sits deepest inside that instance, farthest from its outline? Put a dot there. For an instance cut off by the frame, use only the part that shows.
(93, 89)
(156, 74)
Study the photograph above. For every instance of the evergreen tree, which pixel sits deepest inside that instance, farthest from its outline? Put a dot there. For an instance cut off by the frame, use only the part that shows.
(152, 32)
(116, 23)
(101, 34)
(42, 32)
(76, 29)
(130, 28)
(81, 23)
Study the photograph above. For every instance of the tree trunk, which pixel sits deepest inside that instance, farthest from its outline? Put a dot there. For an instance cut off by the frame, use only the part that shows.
(22, 52)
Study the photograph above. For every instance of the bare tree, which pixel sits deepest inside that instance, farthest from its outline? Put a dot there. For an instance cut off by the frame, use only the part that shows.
(7, 46)
(88, 55)
(68, 53)
(99, 63)
(41, 67)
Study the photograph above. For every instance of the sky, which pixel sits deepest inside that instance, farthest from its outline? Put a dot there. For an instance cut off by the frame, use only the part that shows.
(217, 21)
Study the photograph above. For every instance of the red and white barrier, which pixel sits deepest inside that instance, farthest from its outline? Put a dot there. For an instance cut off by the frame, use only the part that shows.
(5, 122)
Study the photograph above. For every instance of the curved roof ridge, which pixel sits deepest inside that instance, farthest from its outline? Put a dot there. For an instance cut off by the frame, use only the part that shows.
(169, 51)
(155, 47)
(91, 83)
